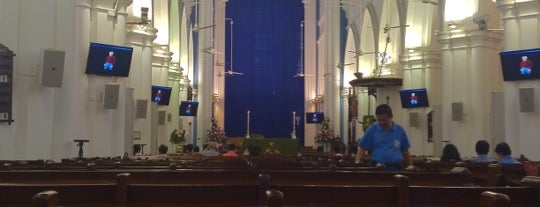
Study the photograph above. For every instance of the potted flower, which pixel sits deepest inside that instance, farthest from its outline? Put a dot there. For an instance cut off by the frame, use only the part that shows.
(178, 139)
(325, 136)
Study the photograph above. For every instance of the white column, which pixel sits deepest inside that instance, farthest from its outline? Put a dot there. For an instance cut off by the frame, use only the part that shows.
(471, 74)
(205, 86)
(161, 62)
(219, 45)
(141, 37)
(521, 28)
(331, 83)
(422, 69)
(310, 67)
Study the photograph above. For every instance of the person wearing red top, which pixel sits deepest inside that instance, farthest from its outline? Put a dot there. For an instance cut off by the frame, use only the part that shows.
(525, 66)
(110, 61)
(414, 99)
(231, 152)
(157, 97)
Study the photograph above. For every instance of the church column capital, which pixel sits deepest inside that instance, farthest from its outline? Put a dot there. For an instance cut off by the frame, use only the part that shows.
(85, 3)
(223, 2)
(141, 35)
(511, 9)
(161, 56)
(469, 39)
(122, 5)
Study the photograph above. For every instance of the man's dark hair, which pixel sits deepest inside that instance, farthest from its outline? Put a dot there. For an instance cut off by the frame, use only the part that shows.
(482, 147)
(384, 109)
(196, 149)
(189, 148)
(162, 149)
(503, 148)
(231, 147)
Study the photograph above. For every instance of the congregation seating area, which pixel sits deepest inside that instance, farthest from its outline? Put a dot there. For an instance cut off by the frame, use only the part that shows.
(311, 180)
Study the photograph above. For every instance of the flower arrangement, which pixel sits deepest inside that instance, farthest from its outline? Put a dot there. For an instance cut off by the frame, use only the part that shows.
(178, 138)
(215, 133)
(325, 134)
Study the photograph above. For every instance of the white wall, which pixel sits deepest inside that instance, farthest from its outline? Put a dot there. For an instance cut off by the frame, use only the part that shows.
(48, 119)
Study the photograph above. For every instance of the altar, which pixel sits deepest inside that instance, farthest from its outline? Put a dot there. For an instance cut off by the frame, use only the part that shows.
(276, 146)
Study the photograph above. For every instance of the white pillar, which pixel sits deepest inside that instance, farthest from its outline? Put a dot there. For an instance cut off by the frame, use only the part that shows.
(332, 30)
(205, 71)
(521, 26)
(310, 67)
(471, 74)
(141, 37)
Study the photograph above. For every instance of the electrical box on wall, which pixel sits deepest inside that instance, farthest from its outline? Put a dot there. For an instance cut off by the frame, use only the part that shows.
(6, 85)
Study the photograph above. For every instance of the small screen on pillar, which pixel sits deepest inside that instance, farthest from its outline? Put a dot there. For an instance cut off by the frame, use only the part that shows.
(521, 64)
(413, 98)
(109, 60)
(188, 108)
(161, 95)
(314, 117)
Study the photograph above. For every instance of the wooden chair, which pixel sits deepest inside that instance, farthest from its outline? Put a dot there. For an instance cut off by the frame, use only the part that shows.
(45, 199)
(492, 199)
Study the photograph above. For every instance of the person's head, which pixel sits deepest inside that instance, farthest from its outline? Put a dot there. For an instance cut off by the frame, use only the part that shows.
(384, 115)
(136, 149)
(196, 149)
(212, 145)
(413, 94)
(482, 147)
(502, 149)
(111, 53)
(189, 148)
(254, 150)
(162, 149)
(524, 58)
(450, 153)
(231, 147)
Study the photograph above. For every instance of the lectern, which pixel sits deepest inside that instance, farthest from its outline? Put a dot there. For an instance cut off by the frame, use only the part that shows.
(80, 144)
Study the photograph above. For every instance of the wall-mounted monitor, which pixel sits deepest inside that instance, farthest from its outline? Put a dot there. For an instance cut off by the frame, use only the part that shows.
(413, 98)
(521, 64)
(161, 95)
(188, 108)
(314, 117)
(109, 60)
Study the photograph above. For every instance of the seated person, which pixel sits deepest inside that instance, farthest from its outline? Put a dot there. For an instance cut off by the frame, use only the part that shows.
(137, 149)
(211, 150)
(231, 152)
(505, 154)
(482, 149)
(162, 149)
(450, 154)
(254, 150)
(188, 148)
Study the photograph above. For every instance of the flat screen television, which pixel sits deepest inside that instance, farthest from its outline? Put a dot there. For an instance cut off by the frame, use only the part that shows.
(108, 60)
(413, 98)
(314, 117)
(188, 108)
(521, 64)
(161, 94)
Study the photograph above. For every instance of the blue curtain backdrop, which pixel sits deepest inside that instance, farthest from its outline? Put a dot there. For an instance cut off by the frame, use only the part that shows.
(266, 48)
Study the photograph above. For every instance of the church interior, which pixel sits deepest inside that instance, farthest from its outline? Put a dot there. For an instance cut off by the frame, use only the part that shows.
(90, 85)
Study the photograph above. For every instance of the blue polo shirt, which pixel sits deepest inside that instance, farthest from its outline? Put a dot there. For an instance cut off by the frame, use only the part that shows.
(385, 146)
(481, 159)
(508, 159)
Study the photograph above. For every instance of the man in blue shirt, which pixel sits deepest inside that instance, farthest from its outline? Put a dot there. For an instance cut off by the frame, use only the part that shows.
(482, 149)
(387, 141)
(505, 154)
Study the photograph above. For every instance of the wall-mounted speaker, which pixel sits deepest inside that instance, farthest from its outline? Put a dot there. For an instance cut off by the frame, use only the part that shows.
(141, 107)
(110, 96)
(52, 67)
(169, 117)
(413, 119)
(162, 114)
(526, 99)
(457, 111)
